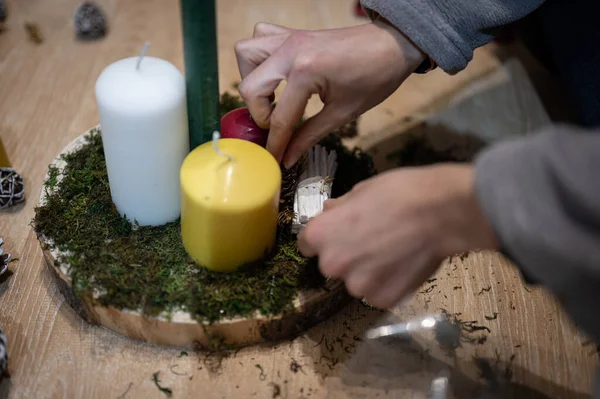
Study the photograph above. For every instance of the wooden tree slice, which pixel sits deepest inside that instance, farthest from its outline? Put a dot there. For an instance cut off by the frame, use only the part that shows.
(180, 329)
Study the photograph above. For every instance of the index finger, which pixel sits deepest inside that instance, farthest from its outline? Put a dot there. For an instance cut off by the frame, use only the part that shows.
(251, 53)
(261, 83)
(287, 113)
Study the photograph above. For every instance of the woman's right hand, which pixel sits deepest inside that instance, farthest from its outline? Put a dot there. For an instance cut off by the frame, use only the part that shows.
(351, 69)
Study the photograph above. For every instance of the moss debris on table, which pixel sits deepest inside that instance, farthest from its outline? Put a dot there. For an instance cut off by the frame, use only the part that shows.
(146, 268)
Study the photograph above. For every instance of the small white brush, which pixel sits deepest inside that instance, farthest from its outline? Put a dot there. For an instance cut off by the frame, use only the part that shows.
(314, 187)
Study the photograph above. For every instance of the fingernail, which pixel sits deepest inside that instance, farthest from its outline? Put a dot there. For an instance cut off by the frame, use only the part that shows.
(288, 162)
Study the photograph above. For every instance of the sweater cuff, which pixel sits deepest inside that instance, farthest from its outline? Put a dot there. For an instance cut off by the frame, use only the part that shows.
(441, 50)
(426, 66)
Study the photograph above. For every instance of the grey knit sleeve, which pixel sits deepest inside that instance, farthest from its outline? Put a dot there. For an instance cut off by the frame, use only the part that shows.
(449, 30)
(542, 197)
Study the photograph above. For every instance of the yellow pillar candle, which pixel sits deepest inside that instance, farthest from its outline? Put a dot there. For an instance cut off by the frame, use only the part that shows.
(230, 192)
(4, 163)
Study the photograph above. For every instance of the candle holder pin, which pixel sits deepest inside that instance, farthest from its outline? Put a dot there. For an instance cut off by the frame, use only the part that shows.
(315, 186)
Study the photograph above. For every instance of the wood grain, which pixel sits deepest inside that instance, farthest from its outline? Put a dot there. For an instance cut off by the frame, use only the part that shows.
(47, 99)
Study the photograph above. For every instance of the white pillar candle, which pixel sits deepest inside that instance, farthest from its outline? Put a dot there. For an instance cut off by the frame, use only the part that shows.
(143, 118)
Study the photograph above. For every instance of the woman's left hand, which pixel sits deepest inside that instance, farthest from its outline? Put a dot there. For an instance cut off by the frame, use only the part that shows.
(389, 234)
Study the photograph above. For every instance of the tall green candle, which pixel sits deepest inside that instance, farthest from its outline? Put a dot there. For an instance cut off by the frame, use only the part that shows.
(199, 25)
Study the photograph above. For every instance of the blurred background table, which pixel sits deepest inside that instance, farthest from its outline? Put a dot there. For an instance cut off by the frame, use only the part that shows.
(47, 99)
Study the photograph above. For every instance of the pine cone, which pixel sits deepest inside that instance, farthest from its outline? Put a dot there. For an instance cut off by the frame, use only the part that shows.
(12, 189)
(3, 355)
(90, 21)
(4, 259)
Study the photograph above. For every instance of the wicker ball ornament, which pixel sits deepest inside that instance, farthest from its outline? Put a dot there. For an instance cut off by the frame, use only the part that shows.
(90, 21)
(12, 189)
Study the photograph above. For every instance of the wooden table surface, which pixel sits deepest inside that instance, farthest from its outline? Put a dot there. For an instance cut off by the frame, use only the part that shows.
(47, 99)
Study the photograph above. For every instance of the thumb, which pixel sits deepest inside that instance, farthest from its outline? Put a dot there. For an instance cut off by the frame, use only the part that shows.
(333, 203)
(311, 132)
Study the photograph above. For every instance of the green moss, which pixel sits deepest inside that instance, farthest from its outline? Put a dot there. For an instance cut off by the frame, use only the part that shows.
(52, 176)
(147, 268)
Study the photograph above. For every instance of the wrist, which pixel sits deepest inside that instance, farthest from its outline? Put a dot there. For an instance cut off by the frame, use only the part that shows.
(412, 55)
(465, 227)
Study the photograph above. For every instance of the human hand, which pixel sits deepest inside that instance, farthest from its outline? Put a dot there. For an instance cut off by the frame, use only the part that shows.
(390, 233)
(351, 69)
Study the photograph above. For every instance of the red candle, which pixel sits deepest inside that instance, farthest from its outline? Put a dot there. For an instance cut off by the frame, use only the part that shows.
(238, 124)
(358, 10)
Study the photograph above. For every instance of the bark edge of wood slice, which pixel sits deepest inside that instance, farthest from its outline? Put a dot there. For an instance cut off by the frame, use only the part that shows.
(181, 330)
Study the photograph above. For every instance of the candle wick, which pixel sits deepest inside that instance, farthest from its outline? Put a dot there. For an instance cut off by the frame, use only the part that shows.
(215, 141)
(142, 54)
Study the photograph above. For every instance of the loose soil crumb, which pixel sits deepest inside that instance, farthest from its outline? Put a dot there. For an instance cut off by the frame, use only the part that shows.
(451, 332)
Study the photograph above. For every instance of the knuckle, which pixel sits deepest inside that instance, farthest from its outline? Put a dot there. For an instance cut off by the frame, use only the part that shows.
(240, 47)
(244, 90)
(261, 115)
(312, 234)
(382, 300)
(331, 266)
(304, 63)
(357, 286)
(305, 59)
(260, 28)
